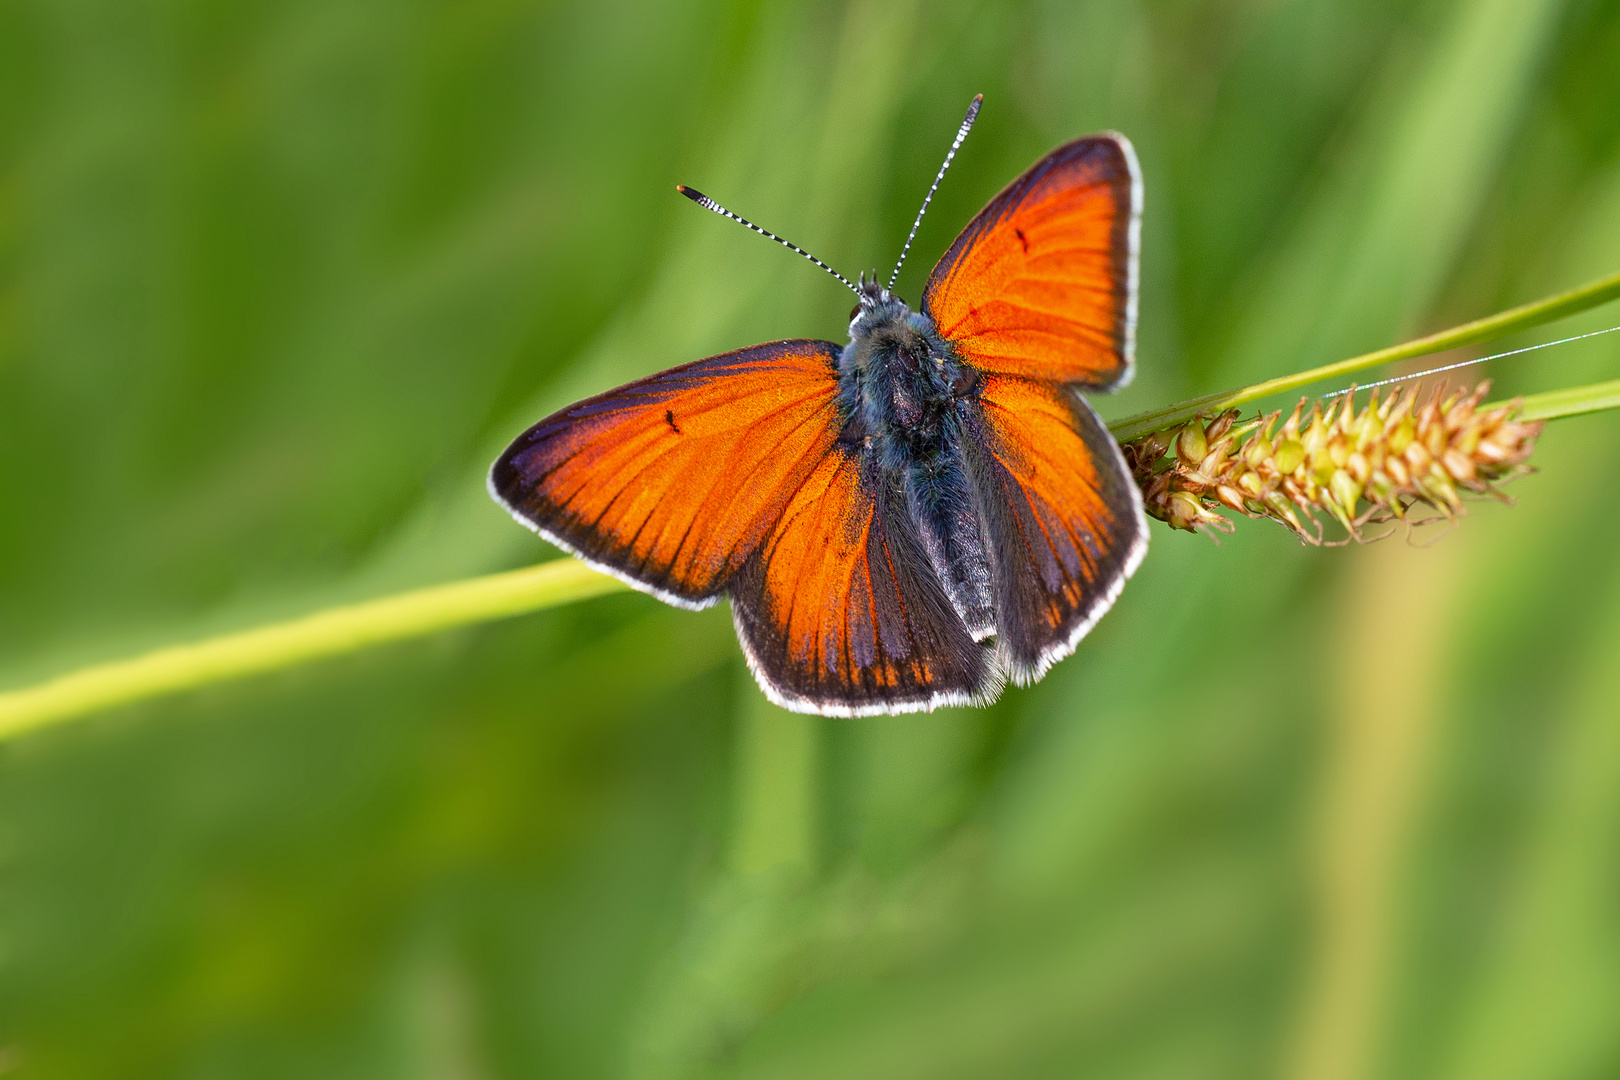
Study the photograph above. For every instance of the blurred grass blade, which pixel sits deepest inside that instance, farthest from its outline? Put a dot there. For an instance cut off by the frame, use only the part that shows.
(1508, 322)
(326, 633)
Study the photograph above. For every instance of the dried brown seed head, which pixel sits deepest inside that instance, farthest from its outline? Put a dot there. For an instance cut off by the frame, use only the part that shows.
(1358, 467)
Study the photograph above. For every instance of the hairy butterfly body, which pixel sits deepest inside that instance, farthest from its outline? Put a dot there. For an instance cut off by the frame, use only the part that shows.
(906, 520)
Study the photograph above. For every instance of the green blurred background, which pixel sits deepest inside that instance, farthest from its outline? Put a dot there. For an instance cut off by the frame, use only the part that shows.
(279, 279)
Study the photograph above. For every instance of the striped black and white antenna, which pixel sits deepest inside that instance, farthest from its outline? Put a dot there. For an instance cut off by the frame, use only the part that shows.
(1466, 363)
(709, 204)
(961, 133)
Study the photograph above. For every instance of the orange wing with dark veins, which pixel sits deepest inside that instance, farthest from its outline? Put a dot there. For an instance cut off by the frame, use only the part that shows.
(840, 612)
(670, 483)
(1042, 283)
(1063, 515)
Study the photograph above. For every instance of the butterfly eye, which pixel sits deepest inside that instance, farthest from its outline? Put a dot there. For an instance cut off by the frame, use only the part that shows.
(854, 311)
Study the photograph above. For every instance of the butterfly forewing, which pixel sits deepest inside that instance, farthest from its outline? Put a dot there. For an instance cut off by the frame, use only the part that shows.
(672, 482)
(1043, 282)
(840, 612)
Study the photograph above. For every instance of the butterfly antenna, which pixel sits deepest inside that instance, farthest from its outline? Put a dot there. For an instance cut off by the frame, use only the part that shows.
(961, 133)
(709, 204)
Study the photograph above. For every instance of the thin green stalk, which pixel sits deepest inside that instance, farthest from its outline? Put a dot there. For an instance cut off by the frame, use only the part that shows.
(518, 592)
(1520, 318)
(1559, 403)
(326, 633)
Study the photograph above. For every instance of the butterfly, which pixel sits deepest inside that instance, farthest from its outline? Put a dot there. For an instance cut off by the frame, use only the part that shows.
(907, 520)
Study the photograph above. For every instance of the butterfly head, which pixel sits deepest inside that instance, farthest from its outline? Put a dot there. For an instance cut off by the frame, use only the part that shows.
(877, 306)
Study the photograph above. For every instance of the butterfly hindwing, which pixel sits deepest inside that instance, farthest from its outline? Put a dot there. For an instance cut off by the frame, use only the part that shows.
(1042, 283)
(1063, 517)
(840, 611)
(670, 483)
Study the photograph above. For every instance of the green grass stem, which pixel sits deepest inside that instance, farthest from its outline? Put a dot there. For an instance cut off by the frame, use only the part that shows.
(1574, 402)
(1489, 328)
(326, 633)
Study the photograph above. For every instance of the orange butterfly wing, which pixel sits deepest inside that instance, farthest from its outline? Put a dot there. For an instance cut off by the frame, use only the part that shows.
(840, 611)
(1043, 282)
(1063, 515)
(727, 475)
(670, 483)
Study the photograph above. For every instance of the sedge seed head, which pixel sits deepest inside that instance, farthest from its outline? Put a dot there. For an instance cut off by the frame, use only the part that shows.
(1357, 467)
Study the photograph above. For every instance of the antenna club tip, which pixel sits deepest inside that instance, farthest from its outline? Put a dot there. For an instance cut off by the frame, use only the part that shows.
(691, 193)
